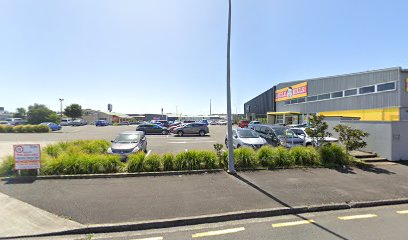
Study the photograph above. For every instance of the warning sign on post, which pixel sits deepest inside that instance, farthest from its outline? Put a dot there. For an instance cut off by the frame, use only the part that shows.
(27, 156)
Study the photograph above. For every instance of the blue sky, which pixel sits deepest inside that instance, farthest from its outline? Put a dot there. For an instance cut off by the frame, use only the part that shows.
(142, 55)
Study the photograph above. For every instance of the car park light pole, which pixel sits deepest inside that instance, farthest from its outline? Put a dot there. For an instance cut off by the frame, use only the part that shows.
(231, 165)
(61, 100)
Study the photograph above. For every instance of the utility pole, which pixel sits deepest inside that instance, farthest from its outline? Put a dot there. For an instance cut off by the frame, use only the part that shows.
(210, 106)
(231, 165)
(61, 100)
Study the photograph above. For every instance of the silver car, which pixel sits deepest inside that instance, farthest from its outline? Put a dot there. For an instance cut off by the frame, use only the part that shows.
(127, 143)
(244, 137)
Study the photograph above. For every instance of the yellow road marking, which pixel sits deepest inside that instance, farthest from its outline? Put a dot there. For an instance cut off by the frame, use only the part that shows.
(152, 238)
(403, 212)
(219, 232)
(295, 223)
(357, 217)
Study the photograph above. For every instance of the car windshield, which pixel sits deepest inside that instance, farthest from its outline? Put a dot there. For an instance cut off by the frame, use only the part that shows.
(128, 138)
(246, 133)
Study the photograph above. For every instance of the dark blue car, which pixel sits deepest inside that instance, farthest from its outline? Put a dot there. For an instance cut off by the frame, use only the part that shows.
(101, 123)
(52, 126)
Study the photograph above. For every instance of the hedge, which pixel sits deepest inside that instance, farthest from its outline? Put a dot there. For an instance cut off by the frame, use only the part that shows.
(24, 129)
(89, 156)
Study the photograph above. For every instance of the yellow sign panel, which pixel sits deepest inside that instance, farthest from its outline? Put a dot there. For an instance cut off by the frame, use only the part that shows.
(292, 92)
(406, 84)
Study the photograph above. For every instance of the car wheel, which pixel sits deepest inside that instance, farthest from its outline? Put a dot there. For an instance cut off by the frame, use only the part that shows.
(226, 143)
(145, 150)
(202, 133)
(238, 146)
(180, 133)
(164, 132)
(309, 144)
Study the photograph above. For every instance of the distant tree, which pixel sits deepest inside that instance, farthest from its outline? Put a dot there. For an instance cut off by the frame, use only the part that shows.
(39, 113)
(351, 138)
(318, 129)
(73, 111)
(20, 113)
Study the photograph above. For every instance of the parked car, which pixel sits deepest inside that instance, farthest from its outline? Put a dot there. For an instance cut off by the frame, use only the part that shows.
(276, 135)
(243, 137)
(152, 129)
(222, 122)
(204, 121)
(171, 128)
(164, 123)
(16, 121)
(188, 121)
(243, 123)
(127, 143)
(308, 141)
(252, 124)
(101, 123)
(192, 128)
(52, 126)
(79, 122)
(66, 122)
(5, 123)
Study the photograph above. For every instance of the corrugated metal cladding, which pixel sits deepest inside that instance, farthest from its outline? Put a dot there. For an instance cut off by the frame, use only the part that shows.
(337, 83)
(263, 103)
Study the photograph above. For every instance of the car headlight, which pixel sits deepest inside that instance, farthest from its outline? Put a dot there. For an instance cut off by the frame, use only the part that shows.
(109, 150)
(136, 149)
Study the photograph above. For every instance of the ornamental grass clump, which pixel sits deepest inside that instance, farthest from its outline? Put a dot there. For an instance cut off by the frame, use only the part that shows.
(305, 156)
(245, 158)
(151, 163)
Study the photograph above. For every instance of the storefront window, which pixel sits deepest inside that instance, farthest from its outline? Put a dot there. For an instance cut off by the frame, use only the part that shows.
(279, 119)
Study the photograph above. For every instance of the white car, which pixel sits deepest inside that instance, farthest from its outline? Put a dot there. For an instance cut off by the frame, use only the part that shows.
(244, 137)
(222, 122)
(308, 141)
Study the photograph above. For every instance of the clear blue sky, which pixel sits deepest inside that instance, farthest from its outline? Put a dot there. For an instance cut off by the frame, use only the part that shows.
(142, 55)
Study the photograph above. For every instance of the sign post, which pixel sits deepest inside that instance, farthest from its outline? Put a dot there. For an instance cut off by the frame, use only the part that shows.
(27, 156)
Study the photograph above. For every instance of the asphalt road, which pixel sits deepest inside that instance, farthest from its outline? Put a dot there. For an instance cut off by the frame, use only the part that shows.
(113, 200)
(379, 223)
(156, 143)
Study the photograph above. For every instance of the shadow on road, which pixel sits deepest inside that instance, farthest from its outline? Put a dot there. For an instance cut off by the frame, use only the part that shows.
(19, 180)
(367, 168)
(287, 205)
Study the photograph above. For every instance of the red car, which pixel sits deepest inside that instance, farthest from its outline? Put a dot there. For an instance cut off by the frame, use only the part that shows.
(243, 123)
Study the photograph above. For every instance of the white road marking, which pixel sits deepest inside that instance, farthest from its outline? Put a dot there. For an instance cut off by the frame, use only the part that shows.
(148, 153)
(194, 142)
(152, 238)
(403, 212)
(357, 217)
(219, 232)
(289, 224)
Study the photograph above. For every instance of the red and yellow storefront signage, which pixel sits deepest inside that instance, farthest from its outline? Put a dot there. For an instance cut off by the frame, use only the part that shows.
(292, 92)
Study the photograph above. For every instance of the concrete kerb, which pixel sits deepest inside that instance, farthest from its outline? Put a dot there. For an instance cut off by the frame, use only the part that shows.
(115, 175)
(205, 219)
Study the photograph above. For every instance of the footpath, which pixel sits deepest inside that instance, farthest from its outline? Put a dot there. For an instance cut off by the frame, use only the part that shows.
(31, 207)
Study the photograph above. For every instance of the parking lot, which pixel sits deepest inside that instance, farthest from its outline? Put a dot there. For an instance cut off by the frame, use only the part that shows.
(156, 143)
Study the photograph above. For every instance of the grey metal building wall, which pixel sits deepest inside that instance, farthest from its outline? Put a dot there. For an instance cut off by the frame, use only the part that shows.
(263, 103)
(343, 82)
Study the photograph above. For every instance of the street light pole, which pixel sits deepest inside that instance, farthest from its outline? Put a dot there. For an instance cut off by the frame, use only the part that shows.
(61, 100)
(231, 165)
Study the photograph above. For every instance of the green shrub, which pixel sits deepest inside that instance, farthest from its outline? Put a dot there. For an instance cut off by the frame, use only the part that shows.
(207, 160)
(95, 146)
(280, 157)
(6, 129)
(82, 163)
(167, 162)
(135, 162)
(264, 154)
(334, 154)
(53, 150)
(151, 163)
(7, 166)
(245, 158)
(305, 156)
(18, 129)
(223, 160)
(42, 129)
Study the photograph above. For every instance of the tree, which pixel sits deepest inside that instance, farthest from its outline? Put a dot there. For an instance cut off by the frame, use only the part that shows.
(39, 113)
(20, 113)
(351, 138)
(318, 129)
(73, 111)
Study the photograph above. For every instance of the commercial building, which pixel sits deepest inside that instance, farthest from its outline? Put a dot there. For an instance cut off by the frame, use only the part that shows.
(379, 95)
